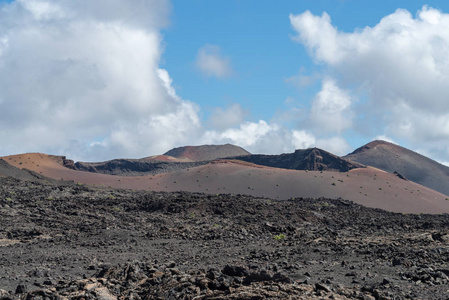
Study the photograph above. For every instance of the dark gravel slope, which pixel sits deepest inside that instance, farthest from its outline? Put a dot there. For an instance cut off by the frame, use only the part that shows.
(313, 159)
(134, 167)
(77, 242)
(8, 170)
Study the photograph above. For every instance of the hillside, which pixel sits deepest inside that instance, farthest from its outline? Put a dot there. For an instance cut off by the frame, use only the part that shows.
(7, 170)
(367, 186)
(135, 167)
(413, 166)
(207, 152)
(173, 160)
(312, 159)
(309, 159)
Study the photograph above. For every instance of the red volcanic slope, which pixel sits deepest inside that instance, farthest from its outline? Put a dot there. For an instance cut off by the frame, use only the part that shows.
(207, 152)
(7, 169)
(367, 186)
(413, 166)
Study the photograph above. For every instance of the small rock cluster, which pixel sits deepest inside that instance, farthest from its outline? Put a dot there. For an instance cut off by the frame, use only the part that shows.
(145, 281)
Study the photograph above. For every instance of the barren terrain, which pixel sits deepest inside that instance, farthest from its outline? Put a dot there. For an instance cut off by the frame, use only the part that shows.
(74, 241)
(414, 166)
(178, 226)
(367, 186)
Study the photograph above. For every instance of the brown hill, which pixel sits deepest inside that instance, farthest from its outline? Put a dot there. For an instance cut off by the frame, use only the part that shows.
(7, 170)
(309, 159)
(312, 159)
(367, 186)
(413, 166)
(207, 152)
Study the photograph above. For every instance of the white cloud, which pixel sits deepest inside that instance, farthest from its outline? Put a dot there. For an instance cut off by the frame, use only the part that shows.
(83, 79)
(400, 64)
(246, 135)
(336, 145)
(42, 10)
(262, 137)
(211, 63)
(226, 118)
(446, 163)
(302, 139)
(318, 35)
(330, 111)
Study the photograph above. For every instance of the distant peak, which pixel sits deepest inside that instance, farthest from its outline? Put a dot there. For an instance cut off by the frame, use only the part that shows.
(371, 145)
(378, 142)
(207, 152)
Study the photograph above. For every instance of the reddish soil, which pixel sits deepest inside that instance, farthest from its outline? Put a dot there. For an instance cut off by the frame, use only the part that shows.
(367, 186)
(414, 166)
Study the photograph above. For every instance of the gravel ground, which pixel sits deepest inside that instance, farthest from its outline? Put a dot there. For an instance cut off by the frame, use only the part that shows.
(72, 241)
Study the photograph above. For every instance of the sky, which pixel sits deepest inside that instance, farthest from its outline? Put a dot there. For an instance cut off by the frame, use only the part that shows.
(96, 80)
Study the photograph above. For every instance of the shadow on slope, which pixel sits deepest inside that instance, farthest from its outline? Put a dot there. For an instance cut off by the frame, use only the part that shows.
(134, 167)
(7, 170)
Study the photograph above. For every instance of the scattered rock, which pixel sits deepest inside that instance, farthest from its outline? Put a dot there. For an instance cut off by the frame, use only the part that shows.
(21, 289)
(92, 243)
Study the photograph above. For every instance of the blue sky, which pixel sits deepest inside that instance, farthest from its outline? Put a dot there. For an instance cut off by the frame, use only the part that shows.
(257, 38)
(107, 79)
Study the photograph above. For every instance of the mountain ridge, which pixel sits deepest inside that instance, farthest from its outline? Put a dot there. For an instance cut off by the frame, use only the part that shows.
(312, 173)
(311, 159)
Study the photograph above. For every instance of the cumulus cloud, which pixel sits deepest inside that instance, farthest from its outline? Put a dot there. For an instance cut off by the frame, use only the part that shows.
(331, 109)
(211, 63)
(83, 79)
(336, 145)
(249, 135)
(262, 137)
(400, 64)
(302, 139)
(226, 118)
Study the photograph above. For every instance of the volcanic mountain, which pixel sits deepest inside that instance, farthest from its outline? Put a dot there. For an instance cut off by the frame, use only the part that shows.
(133, 167)
(367, 186)
(94, 235)
(175, 159)
(312, 159)
(413, 166)
(207, 152)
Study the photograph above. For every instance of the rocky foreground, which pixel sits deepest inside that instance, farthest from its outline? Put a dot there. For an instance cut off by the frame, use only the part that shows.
(69, 241)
